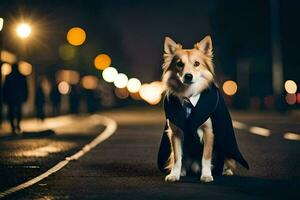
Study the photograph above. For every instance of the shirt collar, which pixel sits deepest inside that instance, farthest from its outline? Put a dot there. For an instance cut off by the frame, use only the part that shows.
(194, 99)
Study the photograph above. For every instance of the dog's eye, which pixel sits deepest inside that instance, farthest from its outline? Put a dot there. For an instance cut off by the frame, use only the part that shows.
(196, 64)
(180, 64)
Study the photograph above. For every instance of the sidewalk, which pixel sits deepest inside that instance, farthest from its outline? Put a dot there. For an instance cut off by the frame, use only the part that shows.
(34, 125)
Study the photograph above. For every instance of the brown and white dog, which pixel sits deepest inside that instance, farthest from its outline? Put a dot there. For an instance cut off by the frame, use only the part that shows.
(186, 73)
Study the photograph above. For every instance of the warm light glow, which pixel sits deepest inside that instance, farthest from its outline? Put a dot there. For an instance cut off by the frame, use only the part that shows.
(134, 85)
(260, 131)
(76, 36)
(64, 87)
(151, 93)
(67, 52)
(89, 82)
(6, 69)
(23, 30)
(102, 61)
(291, 136)
(110, 74)
(70, 76)
(121, 93)
(290, 87)
(25, 68)
(121, 80)
(291, 99)
(1, 23)
(230, 87)
(8, 57)
(298, 98)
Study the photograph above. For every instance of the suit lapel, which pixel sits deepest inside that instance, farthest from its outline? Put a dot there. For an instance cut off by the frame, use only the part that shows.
(174, 111)
(203, 109)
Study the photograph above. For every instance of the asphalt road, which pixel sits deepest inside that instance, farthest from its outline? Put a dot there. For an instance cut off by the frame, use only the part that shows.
(124, 166)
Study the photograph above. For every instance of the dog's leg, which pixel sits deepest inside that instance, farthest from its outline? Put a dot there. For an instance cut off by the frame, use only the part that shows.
(208, 141)
(229, 165)
(177, 153)
(176, 144)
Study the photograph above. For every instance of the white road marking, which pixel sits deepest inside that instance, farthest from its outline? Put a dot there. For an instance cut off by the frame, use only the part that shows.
(111, 127)
(260, 131)
(291, 136)
(239, 125)
(252, 129)
(263, 131)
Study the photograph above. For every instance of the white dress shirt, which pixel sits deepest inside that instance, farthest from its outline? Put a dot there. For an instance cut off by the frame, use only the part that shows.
(194, 100)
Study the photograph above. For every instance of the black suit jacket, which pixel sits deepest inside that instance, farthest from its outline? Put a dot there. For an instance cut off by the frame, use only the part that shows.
(211, 104)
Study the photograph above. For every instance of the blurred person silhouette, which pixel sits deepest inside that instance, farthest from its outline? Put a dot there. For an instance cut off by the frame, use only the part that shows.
(74, 99)
(15, 93)
(40, 101)
(55, 98)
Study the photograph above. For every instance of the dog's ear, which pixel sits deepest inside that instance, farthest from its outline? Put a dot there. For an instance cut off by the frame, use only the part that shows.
(205, 45)
(170, 46)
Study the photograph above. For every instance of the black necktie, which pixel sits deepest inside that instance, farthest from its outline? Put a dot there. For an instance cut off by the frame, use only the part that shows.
(187, 105)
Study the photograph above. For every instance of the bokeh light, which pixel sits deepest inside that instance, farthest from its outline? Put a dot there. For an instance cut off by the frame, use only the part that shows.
(23, 30)
(102, 61)
(121, 80)
(291, 99)
(6, 69)
(1, 23)
(64, 88)
(110, 74)
(151, 93)
(121, 93)
(76, 36)
(89, 82)
(67, 52)
(25, 68)
(298, 98)
(134, 85)
(290, 87)
(8, 57)
(70, 76)
(230, 87)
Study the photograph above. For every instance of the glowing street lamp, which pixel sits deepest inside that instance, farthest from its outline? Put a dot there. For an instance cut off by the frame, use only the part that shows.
(23, 30)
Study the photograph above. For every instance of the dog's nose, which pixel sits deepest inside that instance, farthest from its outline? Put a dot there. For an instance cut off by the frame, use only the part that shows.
(188, 78)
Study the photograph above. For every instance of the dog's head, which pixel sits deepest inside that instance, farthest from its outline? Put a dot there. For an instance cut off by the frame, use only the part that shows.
(186, 67)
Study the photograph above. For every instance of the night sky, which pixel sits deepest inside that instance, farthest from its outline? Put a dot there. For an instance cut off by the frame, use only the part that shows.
(132, 33)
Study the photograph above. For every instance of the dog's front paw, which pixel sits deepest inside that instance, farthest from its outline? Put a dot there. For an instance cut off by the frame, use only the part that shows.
(172, 178)
(206, 178)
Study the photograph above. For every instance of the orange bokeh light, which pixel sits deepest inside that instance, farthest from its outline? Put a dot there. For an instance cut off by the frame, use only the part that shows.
(230, 87)
(76, 36)
(89, 82)
(102, 61)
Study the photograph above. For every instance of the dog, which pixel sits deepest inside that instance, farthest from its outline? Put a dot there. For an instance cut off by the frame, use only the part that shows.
(187, 75)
